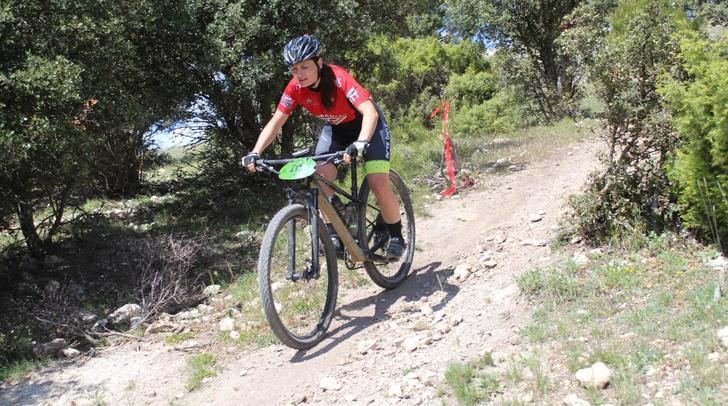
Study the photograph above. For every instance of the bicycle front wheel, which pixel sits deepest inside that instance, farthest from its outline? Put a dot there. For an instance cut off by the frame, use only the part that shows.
(374, 235)
(298, 300)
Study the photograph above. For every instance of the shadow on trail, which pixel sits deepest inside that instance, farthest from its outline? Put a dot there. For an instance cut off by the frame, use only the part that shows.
(31, 393)
(423, 281)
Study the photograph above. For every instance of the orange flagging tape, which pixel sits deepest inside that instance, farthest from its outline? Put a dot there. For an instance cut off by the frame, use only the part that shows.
(444, 108)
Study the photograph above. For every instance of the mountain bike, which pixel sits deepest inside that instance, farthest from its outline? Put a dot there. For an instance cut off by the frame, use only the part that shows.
(298, 265)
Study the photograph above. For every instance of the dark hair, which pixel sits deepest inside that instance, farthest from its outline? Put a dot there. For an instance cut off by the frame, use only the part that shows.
(327, 86)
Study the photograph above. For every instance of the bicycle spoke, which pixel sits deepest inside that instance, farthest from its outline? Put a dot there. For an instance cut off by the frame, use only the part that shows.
(298, 301)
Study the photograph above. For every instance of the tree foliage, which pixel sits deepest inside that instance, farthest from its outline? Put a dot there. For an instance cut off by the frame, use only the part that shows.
(409, 75)
(241, 85)
(700, 110)
(543, 69)
(634, 188)
(83, 83)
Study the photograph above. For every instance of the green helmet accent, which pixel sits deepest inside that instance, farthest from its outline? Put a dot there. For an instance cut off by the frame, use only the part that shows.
(298, 169)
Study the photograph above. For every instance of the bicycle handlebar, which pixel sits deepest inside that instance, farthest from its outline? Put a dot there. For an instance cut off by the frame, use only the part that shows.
(267, 164)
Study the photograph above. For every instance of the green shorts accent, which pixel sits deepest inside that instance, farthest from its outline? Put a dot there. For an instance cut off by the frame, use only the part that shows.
(379, 166)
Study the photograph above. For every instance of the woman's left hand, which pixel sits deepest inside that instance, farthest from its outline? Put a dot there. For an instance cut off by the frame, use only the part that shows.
(357, 148)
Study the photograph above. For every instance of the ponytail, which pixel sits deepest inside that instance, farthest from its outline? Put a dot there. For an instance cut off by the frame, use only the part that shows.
(327, 85)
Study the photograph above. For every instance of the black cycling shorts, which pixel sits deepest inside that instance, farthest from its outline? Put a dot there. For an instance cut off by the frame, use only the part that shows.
(335, 138)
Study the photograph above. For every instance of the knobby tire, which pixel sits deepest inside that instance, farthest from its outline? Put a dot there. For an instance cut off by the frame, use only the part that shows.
(292, 307)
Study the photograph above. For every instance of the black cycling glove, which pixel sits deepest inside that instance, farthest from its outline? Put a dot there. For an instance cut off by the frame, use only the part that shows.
(356, 148)
(250, 158)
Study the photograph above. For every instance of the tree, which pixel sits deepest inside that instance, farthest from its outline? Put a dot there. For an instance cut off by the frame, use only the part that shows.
(242, 83)
(633, 189)
(527, 34)
(700, 110)
(83, 81)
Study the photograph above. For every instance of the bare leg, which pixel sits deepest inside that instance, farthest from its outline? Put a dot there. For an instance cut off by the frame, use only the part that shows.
(386, 199)
(328, 171)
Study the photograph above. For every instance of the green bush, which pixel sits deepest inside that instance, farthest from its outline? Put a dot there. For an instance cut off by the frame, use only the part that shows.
(501, 114)
(633, 191)
(700, 111)
(471, 87)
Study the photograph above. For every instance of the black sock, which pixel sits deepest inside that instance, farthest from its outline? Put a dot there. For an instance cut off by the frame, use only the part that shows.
(395, 230)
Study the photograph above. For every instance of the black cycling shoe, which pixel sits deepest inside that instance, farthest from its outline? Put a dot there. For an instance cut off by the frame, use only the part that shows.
(395, 249)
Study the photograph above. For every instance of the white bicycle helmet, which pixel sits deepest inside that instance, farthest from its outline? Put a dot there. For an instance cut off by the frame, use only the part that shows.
(300, 49)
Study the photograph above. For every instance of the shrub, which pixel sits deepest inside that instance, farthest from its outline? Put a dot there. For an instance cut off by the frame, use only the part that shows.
(633, 189)
(500, 114)
(700, 110)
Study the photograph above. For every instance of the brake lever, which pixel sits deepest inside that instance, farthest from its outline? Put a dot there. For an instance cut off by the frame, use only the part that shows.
(337, 159)
(267, 167)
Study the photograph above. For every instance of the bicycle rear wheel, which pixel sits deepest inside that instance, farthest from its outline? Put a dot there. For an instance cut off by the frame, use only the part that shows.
(299, 309)
(374, 236)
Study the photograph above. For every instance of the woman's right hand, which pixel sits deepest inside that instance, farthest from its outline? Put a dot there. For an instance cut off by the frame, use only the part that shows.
(249, 160)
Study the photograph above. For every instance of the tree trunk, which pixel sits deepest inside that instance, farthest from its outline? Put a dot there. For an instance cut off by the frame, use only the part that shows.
(25, 213)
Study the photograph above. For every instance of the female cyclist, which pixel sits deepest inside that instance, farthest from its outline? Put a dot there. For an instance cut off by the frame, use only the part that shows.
(352, 122)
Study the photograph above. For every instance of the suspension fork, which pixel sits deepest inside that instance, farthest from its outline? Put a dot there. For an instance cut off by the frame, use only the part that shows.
(313, 271)
(313, 215)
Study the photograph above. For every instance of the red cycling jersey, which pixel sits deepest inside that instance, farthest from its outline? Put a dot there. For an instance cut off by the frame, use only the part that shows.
(349, 94)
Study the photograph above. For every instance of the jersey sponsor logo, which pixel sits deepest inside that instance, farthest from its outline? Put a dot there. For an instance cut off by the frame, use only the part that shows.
(332, 119)
(286, 101)
(353, 95)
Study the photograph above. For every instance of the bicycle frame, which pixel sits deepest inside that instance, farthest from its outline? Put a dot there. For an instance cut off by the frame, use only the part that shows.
(316, 202)
(357, 254)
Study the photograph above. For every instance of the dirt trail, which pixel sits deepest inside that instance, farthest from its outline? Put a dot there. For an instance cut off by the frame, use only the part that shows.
(384, 347)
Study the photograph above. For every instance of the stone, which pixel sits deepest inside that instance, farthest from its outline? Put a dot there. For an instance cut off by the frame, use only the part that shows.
(462, 272)
(187, 315)
(455, 320)
(365, 346)
(422, 325)
(535, 218)
(52, 287)
(125, 313)
(597, 376)
(573, 400)
(535, 243)
(188, 345)
(489, 264)
(234, 335)
(211, 290)
(86, 317)
(717, 263)
(723, 336)
(651, 371)
(426, 309)
(50, 348)
(329, 384)
(410, 344)
(580, 258)
(395, 391)
(135, 322)
(70, 352)
(159, 327)
(226, 324)
(100, 325)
